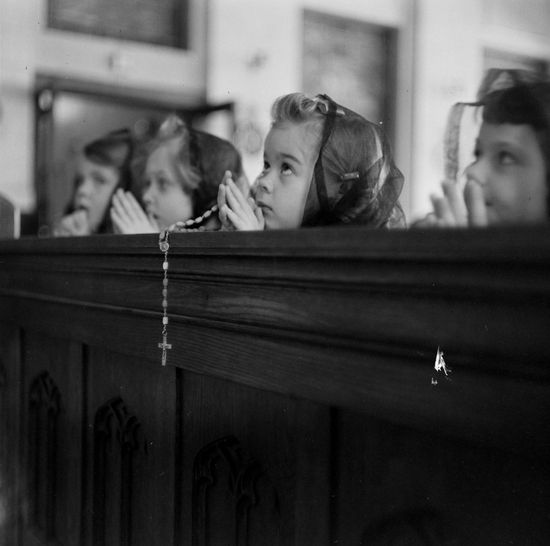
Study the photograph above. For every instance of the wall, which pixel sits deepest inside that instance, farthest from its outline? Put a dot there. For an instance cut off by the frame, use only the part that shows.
(255, 52)
(18, 30)
(254, 55)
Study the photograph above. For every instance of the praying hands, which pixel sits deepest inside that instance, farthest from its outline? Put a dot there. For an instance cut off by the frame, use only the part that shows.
(236, 210)
(128, 217)
(456, 208)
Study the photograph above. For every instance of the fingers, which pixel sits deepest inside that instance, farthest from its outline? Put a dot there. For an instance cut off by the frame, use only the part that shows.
(127, 215)
(443, 211)
(119, 224)
(259, 216)
(429, 221)
(222, 209)
(233, 219)
(457, 205)
(235, 198)
(475, 202)
(449, 210)
(74, 224)
(236, 209)
(127, 206)
(243, 185)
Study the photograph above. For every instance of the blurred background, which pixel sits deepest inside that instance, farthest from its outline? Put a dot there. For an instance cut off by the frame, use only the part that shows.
(72, 69)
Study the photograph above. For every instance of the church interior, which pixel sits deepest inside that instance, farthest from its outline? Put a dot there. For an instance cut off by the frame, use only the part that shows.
(323, 385)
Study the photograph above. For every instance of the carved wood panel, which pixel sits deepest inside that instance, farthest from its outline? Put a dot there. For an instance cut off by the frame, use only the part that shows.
(118, 442)
(259, 466)
(277, 342)
(51, 470)
(130, 450)
(44, 414)
(230, 488)
(9, 431)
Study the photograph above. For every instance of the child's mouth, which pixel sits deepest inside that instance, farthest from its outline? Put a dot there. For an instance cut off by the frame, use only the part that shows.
(263, 206)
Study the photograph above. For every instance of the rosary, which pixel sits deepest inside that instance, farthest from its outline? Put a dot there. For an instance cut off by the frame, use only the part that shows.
(164, 246)
(195, 224)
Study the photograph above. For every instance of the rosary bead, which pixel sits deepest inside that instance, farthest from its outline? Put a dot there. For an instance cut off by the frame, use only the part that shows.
(165, 265)
(165, 320)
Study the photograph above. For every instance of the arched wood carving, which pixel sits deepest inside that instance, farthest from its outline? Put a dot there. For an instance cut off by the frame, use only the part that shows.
(44, 411)
(232, 498)
(117, 439)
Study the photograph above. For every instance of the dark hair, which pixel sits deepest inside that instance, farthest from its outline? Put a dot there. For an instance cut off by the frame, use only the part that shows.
(523, 104)
(201, 160)
(115, 149)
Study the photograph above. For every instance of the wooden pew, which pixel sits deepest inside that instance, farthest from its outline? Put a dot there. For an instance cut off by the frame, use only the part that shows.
(300, 403)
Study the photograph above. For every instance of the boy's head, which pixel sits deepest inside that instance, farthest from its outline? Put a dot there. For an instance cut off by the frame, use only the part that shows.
(103, 166)
(341, 170)
(512, 154)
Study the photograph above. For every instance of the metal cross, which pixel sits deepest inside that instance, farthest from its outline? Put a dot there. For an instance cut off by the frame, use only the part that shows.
(164, 345)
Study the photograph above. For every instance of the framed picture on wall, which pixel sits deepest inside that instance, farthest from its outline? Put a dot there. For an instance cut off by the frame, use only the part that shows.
(158, 47)
(162, 22)
(353, 62)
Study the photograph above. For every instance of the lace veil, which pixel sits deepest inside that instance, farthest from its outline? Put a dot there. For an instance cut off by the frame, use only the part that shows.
(355, 180)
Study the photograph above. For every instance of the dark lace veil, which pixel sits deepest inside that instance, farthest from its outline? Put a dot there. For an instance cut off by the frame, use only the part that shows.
(202, 161)
(355, 180)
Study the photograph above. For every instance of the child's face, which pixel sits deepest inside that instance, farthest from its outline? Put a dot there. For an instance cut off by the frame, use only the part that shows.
(511, 171)
(282, 187)
(163, 194)
(95, 186)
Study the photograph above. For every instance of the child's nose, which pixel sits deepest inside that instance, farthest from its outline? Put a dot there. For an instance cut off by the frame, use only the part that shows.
(263, 183)
(476, 171)
(147, 195)
(85, 188)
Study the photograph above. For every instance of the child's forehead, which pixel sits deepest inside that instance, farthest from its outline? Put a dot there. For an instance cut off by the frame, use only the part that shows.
(304, 135)
(522, 135)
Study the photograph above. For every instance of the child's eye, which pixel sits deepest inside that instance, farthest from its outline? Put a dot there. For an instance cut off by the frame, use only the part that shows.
(163, 183)
(265, 168)
(286, 169)
(99, 180)
(505, 158)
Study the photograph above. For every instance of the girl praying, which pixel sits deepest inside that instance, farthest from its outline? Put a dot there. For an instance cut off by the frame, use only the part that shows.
(103, 166)
(180, 171)
(507, 182)
(323, 165)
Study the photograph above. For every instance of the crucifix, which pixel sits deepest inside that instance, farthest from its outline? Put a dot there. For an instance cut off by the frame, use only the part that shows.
(164, 346)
